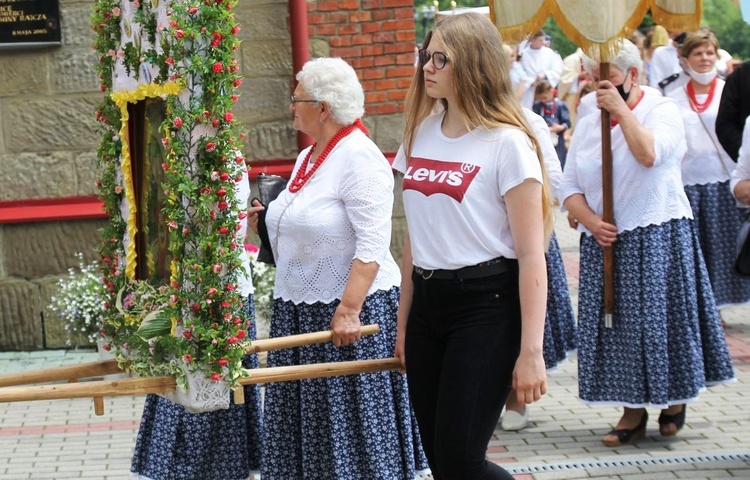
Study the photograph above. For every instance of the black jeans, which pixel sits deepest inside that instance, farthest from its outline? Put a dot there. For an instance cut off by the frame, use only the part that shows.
(462, 342)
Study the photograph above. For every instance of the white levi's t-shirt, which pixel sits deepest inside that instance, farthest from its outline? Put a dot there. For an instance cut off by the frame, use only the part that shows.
(453, 192)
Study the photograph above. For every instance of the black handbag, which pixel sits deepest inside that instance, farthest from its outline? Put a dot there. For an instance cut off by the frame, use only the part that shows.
(742, 262)
(269, 187)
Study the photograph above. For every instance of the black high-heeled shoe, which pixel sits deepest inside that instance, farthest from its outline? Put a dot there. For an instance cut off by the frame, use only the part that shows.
(678, 419)
(626, 436)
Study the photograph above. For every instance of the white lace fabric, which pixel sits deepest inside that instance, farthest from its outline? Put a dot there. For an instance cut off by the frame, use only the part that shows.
(342, 213)
(642, 196)
(202, 395)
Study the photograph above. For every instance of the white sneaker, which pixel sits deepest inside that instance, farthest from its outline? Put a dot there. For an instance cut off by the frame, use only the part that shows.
(513, 420)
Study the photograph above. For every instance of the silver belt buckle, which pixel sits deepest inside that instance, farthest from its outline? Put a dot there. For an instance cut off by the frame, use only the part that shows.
(420, 272)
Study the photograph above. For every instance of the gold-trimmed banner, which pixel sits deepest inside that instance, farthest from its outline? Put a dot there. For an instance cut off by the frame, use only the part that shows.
(594, 25)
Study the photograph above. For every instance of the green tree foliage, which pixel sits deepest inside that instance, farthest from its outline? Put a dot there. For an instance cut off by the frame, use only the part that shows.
(725, 19)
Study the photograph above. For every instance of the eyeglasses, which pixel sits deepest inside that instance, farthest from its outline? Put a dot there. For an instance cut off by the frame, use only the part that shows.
(299, 100)
(439, 59)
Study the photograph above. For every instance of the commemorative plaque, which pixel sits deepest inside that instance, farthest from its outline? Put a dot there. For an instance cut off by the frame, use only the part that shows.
(29, 23)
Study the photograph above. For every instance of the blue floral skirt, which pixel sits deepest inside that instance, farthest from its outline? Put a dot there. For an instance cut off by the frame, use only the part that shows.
(667, 343)
(719, 220)
(560, 322)
(174, 444)
(356, 427)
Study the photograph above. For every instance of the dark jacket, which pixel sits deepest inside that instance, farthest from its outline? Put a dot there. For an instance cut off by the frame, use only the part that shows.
(733, 110)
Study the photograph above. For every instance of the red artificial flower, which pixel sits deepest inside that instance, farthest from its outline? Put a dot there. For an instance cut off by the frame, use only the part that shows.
(223, 362)
(230, 287)
(235, 30)
(193, 10)
(216, 377)
(169, 61)
(224, 176)
(211, 292)
(187, 333)
(241, 334)
(225, 304)
(222, 205)
(215, 123)
(188, 358)
(228, 117)
(216, 39)
(196, 308)
(179, 33)
(172, 225)
(242, 215)
(106, 347)
(235, 98)
(236, 321)
(233, 340)
(216, 268)
(164, 167)
(177, 122)
(222, 192)
(210, 146)
(224, 230)
(218, 67)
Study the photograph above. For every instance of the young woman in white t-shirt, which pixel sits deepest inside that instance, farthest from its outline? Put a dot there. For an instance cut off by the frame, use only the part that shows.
(474, 283)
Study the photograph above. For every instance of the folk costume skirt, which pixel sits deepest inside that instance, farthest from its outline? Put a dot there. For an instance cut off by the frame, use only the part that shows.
(560, 322)
(718, 220)
(174, 444)
(667, 343)
(356, 427)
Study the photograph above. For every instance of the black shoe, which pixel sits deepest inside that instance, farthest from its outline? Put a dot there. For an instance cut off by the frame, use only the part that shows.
(626, 436)
(678, 419)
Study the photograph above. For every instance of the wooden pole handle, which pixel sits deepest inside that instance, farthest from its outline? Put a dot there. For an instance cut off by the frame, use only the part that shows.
(141, 386)
(268, 344)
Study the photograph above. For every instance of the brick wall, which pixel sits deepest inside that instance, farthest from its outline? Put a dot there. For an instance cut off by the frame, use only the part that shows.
(377, 38)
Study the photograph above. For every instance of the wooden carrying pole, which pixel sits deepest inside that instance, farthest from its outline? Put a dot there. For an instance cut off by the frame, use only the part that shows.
(97, 369)
(141, 386)
(609, 210)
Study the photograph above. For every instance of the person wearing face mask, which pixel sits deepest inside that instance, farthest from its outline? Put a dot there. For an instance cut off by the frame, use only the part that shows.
(707, 168)
(667, 343)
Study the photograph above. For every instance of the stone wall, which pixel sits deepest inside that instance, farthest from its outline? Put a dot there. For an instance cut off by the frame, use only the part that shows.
(48, 135)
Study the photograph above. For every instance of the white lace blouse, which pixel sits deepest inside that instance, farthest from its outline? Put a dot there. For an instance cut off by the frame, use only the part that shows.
(342, 213)
(642, 196)
(706, 162)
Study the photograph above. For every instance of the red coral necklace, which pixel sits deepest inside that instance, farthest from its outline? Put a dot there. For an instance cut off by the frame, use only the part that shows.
(303, 174)
(697, 106)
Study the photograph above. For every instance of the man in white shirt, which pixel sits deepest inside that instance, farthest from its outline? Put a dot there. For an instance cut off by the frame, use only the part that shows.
(541, 62)
(666, 72)
(573, 73)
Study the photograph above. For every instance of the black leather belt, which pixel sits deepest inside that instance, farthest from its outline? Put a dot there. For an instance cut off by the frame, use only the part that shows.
(496, 266)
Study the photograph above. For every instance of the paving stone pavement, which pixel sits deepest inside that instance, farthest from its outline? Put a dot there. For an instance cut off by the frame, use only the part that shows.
(61, 439)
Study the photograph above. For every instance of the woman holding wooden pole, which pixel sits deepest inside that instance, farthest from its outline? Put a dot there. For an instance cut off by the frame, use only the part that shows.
(330, 232)
(667, 343)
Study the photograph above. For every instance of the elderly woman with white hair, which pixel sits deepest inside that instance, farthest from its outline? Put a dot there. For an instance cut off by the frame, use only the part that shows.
(330, 232)
(667, 343)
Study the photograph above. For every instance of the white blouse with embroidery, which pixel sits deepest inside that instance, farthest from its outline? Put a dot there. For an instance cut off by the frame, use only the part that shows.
(343, 212)
(642, 196)
(706, 162)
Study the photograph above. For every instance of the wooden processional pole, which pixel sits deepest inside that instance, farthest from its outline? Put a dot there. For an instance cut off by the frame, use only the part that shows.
(609, 209)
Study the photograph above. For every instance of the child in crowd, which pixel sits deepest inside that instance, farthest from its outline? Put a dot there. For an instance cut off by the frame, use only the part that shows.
(555, 112)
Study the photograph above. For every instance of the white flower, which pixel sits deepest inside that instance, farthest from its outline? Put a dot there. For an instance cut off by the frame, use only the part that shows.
(80, 300)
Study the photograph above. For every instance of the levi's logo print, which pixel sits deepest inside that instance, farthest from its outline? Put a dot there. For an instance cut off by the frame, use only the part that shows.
(431, 176)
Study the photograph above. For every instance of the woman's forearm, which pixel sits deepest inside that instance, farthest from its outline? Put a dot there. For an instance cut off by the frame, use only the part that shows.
(360, 280)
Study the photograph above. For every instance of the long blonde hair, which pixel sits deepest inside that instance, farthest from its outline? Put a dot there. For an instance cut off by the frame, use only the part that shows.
(481, 87)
